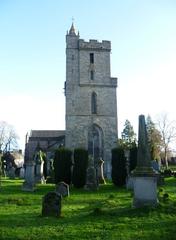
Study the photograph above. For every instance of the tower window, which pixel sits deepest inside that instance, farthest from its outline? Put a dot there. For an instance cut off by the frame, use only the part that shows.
(73, 57)
(92, 75)
(91, 58)
(94, 103)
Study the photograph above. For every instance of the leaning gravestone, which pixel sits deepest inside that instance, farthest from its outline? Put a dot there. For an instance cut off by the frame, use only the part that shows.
(63, 189)
(51, 204)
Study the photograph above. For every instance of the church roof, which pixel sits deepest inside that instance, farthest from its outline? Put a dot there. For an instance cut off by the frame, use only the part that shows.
(46, 133)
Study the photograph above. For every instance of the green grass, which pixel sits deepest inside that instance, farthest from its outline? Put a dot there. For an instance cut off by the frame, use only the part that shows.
(103, 214)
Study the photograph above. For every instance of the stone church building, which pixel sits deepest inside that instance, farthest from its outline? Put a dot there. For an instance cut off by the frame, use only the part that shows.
(91, 103)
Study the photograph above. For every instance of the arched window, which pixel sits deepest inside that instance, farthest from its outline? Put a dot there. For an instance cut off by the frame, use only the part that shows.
(94, 103)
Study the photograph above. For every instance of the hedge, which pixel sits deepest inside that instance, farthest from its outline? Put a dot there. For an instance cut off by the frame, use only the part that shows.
(62, 165)
(80, 167)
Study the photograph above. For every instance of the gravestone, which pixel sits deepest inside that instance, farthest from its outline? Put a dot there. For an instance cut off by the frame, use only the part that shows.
(29, 183)
(22, 172)
(91, 176)
(129, 183)
(63, 189)
(144, 177)
(51, 204)
(160, 178)
(11, 173)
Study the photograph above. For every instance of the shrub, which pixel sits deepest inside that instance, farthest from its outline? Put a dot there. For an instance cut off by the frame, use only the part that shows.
(62, 165)
(80, 167)
(118, 167)
(165, 196)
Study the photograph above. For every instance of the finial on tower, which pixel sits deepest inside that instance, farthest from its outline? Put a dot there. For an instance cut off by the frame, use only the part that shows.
(72, 29)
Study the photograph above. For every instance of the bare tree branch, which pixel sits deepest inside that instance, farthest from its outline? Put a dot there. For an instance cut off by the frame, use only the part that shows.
(8, 136)
(168, 133)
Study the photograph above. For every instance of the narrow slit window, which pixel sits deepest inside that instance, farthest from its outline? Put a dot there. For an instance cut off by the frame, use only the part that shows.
(92, 75)
(94, 103)
(91, 58)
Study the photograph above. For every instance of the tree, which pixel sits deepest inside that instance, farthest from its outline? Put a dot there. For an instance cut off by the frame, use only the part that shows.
(8, 136)
(168, 134)
(119, 172)
(128, 136)
(154, 139)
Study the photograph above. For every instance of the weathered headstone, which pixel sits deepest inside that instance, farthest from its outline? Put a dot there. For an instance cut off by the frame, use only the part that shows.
(160, 178)
(22, 173)
(63, 189)
(91, 177)
(11, 173)
(129, 182)
(29, 183)
(51, 204)
(144, 177)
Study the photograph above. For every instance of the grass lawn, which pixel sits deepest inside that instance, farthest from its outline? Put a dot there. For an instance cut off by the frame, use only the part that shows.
(103, 214)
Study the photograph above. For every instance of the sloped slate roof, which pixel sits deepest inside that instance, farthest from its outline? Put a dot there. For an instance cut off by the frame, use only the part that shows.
(47, 133)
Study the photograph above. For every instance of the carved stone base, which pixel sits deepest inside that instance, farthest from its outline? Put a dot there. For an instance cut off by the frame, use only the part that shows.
(145, 191)
(28, 187)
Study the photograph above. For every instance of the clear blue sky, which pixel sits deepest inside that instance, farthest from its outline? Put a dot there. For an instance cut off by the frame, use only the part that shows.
(32, 57)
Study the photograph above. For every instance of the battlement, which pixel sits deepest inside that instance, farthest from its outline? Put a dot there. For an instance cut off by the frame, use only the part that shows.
(94, 44)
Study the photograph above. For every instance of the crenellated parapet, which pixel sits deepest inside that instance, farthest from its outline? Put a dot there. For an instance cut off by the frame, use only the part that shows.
(94, 44)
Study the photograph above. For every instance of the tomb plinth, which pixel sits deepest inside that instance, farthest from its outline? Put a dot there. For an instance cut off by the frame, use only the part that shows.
(144, 176)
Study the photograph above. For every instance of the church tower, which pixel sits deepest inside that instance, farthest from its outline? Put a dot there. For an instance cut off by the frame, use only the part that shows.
(91, 104)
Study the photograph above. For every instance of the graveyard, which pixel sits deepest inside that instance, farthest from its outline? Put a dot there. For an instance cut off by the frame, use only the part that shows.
(71, 175)
(105, 213)
(80, 203)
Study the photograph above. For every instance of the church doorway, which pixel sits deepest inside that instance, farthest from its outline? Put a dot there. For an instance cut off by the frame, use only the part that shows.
(95, 142)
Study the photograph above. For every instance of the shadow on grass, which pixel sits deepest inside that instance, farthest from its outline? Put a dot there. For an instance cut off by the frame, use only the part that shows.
(108, 219)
